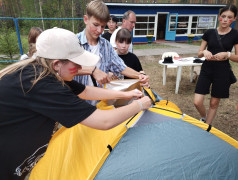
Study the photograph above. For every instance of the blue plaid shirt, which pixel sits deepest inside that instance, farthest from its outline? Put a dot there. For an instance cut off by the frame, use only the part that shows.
(110, 61)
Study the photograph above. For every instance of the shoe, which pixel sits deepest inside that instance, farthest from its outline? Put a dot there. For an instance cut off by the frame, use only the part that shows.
(203, 120)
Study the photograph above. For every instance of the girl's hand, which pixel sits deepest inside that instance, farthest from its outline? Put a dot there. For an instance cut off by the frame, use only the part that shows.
(208, 55)
(144, 102)
(222, 56)
(133, 94)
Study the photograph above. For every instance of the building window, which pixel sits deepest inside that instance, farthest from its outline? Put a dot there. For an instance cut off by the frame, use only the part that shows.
(193, 24)
(144, 25)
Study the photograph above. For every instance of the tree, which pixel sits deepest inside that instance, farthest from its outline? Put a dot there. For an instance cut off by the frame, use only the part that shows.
(8, 42)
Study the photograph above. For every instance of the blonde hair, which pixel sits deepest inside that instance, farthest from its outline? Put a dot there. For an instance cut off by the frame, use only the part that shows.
(45, 70)
(99, 10)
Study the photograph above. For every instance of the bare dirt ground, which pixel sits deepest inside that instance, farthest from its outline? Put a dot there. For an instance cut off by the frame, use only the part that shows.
(227, 115)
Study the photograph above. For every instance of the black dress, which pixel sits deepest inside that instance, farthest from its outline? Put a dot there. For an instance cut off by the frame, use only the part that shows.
(216, 73)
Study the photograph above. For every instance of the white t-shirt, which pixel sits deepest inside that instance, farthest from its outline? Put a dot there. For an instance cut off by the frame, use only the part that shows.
(23, 57)
(94, 50)
(113, 40)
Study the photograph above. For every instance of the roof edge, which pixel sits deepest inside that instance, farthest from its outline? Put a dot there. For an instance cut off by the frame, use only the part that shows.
(164, 5)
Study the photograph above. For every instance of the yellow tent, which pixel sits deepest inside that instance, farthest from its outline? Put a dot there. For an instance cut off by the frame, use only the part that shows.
(79, 152)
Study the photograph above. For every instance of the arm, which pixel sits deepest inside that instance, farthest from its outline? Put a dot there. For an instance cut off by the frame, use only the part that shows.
(202, 48)
(234, 57)
(203, 52)
(144, 79)
(94, 93)
(100, 76)
(222, 56)
(107, 119)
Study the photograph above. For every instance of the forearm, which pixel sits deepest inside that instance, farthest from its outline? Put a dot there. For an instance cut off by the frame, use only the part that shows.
(86, 70)
(94, 93)
(200, 53)
(129, 72)
(233, 57)
(202, 49)
(107, 119)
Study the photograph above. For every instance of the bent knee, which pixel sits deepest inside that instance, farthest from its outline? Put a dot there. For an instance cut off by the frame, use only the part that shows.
(197, 103)
(214, 105)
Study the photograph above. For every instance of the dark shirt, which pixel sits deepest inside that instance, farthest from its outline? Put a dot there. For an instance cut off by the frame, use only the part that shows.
(131, 61)
(29, 115)
(107, 36)
(228, 41)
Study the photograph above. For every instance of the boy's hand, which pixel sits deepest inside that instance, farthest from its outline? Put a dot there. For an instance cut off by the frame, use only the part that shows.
(144, 80)
(101, 77)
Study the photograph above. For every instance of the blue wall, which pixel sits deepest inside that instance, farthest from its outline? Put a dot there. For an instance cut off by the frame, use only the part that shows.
(153, 10)
(172, 9)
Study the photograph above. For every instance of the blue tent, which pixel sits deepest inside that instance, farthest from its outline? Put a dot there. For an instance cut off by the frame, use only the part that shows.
(162, 147)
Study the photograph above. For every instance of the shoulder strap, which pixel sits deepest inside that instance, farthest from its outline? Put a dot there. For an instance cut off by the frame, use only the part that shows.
(219, 39)
(94, 81)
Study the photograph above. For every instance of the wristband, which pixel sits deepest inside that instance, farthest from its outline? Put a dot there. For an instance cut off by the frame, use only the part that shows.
(94, 70)
(141, 105)
(229, 54)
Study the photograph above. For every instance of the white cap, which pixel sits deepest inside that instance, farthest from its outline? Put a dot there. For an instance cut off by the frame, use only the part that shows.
(57, 43)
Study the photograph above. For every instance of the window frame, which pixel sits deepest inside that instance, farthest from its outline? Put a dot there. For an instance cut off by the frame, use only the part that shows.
(147, 29)
(190, 22)
(134, 29)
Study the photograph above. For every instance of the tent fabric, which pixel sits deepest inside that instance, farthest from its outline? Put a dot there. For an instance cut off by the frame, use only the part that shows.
(77, 152)
(160, 143)
(168, 148)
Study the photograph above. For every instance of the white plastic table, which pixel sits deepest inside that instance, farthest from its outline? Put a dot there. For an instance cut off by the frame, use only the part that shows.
(188, 61)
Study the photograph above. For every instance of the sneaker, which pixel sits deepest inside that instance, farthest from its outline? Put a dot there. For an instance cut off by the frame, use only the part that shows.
(203, 120)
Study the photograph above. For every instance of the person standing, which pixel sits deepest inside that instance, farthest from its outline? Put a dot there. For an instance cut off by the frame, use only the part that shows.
(128, 22)
(216, 47)
(123, 41)
(112, 25)
(97, 15)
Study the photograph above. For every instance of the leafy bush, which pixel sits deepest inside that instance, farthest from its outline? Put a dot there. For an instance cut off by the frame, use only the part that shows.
(8, 42)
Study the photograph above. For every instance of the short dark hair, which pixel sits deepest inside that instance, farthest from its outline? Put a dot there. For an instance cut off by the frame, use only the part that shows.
(113, 18)
(229, 7)
(123, 35)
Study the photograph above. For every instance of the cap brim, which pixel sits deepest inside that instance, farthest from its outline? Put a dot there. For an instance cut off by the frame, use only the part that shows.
(86, 59)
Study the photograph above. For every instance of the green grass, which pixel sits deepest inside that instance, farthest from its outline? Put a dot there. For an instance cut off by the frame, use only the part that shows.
(150, 46)
(196, 43)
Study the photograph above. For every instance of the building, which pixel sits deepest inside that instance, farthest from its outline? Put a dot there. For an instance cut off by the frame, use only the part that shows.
(173, 20)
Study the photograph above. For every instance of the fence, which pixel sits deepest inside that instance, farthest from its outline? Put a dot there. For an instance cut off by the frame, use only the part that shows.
(172, 1)
(16, 23)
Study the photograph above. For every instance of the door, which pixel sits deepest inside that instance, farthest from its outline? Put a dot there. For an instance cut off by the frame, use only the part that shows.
(171, 26)
(161, 26)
